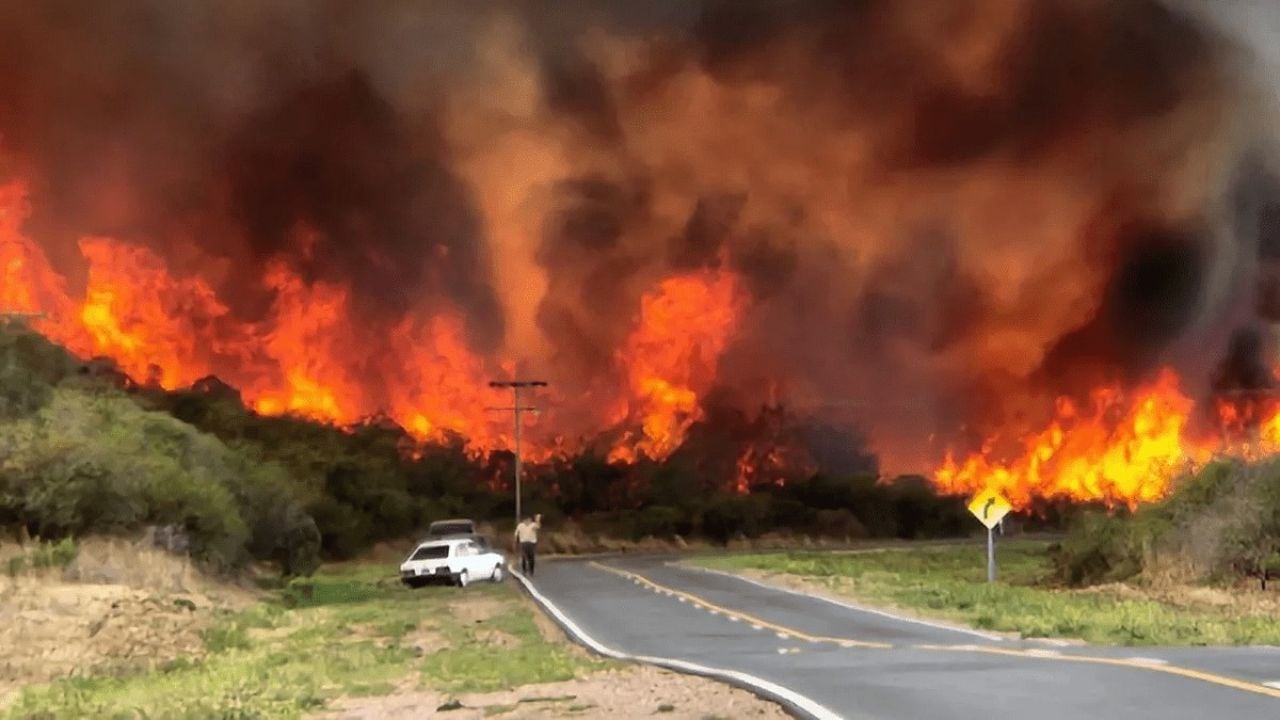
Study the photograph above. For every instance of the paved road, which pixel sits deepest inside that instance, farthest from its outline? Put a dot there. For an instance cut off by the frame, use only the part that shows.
(830, 660)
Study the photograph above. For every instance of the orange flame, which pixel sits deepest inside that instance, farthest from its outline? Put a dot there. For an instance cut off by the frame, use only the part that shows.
(670, 359)
(172, 331)
(1109, 451)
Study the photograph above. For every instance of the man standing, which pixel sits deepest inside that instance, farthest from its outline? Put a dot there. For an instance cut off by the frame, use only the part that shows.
(527, 541)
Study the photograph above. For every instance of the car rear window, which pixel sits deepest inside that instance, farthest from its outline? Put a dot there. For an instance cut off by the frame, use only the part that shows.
(431, 552)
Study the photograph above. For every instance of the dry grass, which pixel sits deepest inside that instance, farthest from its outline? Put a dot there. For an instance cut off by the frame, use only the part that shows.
(116, 607)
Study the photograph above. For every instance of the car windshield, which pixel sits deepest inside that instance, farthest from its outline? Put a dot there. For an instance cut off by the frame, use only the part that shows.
(431, 552)
(450, 528)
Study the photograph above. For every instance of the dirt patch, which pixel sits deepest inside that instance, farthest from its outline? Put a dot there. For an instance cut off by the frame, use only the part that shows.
(497, 638)
(267, 636)
(425, 639)
(51, 631)
(629, 694)
(477, 610)
(114, 609)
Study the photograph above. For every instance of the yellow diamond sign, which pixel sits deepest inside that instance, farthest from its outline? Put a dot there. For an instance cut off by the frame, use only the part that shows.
(989, 507)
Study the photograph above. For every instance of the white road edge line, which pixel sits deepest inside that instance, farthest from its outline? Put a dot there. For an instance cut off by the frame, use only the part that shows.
(772, 690)
(843, 604)
(1148, 660)
(1274, 684)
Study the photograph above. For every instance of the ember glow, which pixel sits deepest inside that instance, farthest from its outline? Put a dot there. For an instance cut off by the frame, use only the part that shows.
(978, 232)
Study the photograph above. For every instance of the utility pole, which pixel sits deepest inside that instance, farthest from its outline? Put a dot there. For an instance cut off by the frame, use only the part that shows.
(516, 409)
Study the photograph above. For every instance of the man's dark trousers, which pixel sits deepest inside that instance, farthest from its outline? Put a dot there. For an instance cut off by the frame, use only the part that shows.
(528, 556)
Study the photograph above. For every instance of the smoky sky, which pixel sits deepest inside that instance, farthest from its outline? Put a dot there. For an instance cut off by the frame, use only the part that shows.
(324, 132)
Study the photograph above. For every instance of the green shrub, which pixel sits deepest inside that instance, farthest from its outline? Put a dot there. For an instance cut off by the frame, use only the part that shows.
(1099, 548)
(1220, 522)
(656, 521)
(94, 461)
(734, 515)
(44, 555)
(227, 635)
(838, 524)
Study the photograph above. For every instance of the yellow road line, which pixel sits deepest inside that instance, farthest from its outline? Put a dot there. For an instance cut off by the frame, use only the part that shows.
(1030, 654)
(781, 630)
(1139, 664)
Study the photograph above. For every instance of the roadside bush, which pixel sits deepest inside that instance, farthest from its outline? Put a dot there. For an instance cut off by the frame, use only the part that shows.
(787, 512)
(656, 521)
(1220, 522)
(730, 516)
(44, 554)
(344, 531)
(905, 507)
(1100, 548)
(919, 512)
(838, 524)
(93, 461)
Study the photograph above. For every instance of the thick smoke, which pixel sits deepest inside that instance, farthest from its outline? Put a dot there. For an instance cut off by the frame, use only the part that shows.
(942, 212)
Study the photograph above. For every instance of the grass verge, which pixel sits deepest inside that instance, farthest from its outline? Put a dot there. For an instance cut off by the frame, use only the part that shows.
(949, 583)
(346, 632)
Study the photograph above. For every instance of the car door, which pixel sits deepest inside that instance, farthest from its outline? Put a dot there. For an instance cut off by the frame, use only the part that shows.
(469, 554)
(488, 557)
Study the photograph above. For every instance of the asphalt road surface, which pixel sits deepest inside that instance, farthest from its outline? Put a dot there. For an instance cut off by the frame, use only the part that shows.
(826, 659)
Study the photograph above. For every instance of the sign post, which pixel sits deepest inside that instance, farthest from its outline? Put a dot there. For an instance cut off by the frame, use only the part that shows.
(990, 507)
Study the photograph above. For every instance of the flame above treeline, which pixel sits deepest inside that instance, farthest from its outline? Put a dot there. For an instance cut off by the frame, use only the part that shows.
(304, 357)
(1007, 239)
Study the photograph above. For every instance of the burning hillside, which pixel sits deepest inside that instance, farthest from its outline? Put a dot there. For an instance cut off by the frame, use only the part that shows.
(1009, 239)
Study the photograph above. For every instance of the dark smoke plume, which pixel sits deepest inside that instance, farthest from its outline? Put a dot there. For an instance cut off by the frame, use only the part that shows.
(937, 209)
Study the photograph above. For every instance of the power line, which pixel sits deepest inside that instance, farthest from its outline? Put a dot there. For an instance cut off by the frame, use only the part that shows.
(517, 409)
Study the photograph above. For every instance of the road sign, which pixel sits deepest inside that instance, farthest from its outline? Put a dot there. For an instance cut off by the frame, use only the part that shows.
(990, 507)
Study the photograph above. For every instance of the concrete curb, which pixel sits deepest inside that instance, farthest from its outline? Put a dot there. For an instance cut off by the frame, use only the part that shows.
(793, 702)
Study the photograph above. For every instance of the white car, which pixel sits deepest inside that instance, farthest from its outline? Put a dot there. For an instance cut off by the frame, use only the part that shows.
(458, 561)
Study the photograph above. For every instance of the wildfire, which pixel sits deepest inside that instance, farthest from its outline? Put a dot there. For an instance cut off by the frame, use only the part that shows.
(1113, 449)
(670, 357)
(29, 284)
(171, 331)
(1118, 446)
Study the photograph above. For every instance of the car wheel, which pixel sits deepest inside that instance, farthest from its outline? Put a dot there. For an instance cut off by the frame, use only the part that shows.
(497, 574)
(462, 579)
